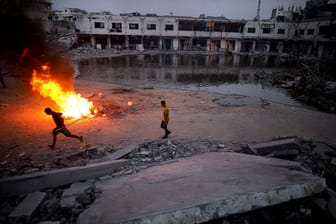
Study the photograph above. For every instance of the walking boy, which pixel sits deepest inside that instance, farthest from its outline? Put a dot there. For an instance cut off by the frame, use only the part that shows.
(60, 127)
(165, 119)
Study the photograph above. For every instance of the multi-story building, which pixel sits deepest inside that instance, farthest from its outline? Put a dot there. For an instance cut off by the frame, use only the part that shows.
(308, 32)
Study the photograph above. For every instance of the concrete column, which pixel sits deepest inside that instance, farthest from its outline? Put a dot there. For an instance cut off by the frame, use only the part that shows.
(280, 47)
(254, 45)
(208, 44)
(252, 61)
(175, 59)
(236, 60)
(126, 42)
(76, 69)
(160, 43)
(93, 41)
(320, 50)
(267, 47)
(207, 60)
(160, 60)
(265, 61)
(309, 50)
(221, 59)
(237, 46)
(222, 43)
(109, 42)
(175, 44)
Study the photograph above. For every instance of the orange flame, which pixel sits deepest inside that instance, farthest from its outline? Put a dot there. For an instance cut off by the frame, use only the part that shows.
(70, 102)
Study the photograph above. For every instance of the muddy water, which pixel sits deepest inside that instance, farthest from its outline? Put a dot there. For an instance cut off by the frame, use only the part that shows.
(229, 75)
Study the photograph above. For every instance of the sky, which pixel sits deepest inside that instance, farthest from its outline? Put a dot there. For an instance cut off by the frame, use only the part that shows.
(231, 9)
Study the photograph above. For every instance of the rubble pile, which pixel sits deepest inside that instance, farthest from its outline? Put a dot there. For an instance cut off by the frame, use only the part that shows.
(318, 158)
(304, 85)
(64, 204)
(28, 165)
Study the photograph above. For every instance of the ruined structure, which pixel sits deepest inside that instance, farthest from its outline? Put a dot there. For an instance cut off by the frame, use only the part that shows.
(309, 32)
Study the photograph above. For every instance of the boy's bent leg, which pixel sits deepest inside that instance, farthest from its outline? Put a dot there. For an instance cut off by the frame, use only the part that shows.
(54, 142)
(67, 133)
(80, 138)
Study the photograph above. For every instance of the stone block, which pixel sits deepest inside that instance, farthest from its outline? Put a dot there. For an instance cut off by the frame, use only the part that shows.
(27, 207)
(266, 148)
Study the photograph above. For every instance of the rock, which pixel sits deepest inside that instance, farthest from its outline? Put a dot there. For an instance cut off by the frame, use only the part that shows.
(84, 199)
(32, 170)
(145, 160)
(5, 209)
(332, 207)
(266, 148)
(70, 195)
(284, 153)
(27, 207)
(68, 202)
(22, 154)
(158, 158)
(50, 222)
(106, 177)
(154, 149)
(92, 148)
(333, 161)
(170, 144)
(51, 205)
(321, 203)
(221, 146)
(128, 172)
(144, 153)
(77, 189)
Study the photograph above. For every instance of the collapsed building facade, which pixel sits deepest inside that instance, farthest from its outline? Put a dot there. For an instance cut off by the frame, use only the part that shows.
(309, 32)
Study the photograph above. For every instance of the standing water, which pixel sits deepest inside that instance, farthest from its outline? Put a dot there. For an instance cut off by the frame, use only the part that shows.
(228, 75)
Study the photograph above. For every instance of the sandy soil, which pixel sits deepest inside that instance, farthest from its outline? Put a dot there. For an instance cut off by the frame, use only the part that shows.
(26, 130)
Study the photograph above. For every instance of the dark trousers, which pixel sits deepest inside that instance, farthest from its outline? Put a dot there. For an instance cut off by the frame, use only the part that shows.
(164, 126)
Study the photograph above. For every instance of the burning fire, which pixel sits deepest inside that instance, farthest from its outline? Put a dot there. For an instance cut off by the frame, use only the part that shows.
(70, 102)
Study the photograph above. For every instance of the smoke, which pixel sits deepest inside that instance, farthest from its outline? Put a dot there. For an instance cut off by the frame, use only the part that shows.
(19, 32)
(25, 44)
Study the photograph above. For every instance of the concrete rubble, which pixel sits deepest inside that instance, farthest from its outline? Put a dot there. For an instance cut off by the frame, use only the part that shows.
(200, 188)
(306, 85)
(281, 145)
(64, 204)
(50, 179)
(27, 207)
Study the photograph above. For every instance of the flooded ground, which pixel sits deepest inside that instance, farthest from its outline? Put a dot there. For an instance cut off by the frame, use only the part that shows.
(228, 75)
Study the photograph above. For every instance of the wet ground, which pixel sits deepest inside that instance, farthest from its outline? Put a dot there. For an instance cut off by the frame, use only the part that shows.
(228, 75)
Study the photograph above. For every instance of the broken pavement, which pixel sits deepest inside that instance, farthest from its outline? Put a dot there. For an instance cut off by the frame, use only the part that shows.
(167, 157)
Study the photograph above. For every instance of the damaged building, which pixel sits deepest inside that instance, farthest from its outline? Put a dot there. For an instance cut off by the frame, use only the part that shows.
(305, 32)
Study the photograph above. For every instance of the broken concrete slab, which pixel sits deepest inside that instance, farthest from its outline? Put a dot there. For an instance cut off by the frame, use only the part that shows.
(77, 189)
(266, 148)
(27, 207)
(55, 178)
(69, 196)
(200, 188)
(118, 154)
(122, 152)
(68, 202)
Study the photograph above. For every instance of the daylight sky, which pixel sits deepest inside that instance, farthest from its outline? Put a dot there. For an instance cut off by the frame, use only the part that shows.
(232, 9)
